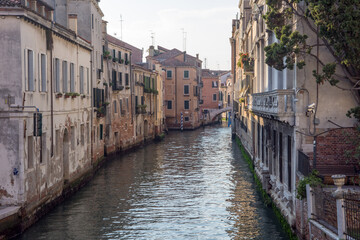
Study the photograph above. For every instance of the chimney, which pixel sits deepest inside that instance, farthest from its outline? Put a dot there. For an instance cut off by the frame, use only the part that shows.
(104, 27)
(152, 51)
(73, 22)
(197, 56)
(184, 56)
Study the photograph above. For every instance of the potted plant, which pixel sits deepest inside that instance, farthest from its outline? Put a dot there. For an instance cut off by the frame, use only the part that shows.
(246, 62)
(121, 61)
(58, 95)
(107, 55)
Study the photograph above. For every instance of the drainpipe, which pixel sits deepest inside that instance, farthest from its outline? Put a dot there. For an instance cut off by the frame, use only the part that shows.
(51, 100)
(91, 109)
(176, 120)
(131, 90)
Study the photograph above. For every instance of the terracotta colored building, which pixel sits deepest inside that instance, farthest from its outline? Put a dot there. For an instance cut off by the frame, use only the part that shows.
(182, 86)
(210, 91)
(118, 83)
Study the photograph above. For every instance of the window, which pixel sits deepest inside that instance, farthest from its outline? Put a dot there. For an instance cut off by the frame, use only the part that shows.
(30, 152)
(186, 74)
(114, 82)
(87, 133)
(186, 104)
(43, 72)
(82, 137)
(115, 107)
(127, 104)
(142, 100)
(43, 156)
(126, 59)
(186, 89)
(73, 142)
(274, 160)
(136, 101)
(57, 147)
(119, 56)
(120, 106)
(186, 119)
(214, 84)
(289, 163)
(101, 131)
(87, 81)
(65, 76)
(72, 78)
(81, 79)
(214, 97)
(169, 74)
(169, 104)
(280, 157)
(126, 79)
(113, 55)
(153, 83)
(30, 70)
(57, 75)
(120, 79)
(92, 21)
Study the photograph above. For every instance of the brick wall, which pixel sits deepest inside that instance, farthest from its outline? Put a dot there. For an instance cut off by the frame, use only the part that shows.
(332, 147)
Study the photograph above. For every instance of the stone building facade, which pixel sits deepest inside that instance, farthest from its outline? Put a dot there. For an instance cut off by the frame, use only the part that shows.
(274, 114)
(181, 86)
(69, 94)
(118, 85)
(47, 73)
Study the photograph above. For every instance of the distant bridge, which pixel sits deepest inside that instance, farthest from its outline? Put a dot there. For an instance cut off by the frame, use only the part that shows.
(215, 112)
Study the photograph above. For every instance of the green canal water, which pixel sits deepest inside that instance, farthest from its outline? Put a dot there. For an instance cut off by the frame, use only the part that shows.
(193, 185)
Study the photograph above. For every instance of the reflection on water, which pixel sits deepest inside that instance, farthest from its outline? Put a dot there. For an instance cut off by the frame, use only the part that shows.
(194, 185)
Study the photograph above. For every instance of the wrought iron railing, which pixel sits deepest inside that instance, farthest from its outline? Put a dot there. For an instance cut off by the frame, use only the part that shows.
(303, 163)
(352, 215)
(325, 208)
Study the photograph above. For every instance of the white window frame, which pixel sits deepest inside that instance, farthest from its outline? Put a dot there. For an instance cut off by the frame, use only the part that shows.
(72, 77)
(214, 100)
(81, 75)
(188, 73)
(188, 86)
(57, 75)
(167, 76)
(27, 78)
(65, 75)
(188, 104)
(43, 72)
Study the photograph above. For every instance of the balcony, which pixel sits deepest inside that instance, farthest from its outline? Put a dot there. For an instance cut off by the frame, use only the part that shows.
(276, 104)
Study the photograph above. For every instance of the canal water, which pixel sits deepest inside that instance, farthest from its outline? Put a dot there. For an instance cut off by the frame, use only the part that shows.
(193, 185)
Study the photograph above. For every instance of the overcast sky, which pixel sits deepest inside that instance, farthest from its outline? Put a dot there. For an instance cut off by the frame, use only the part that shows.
(207, 25)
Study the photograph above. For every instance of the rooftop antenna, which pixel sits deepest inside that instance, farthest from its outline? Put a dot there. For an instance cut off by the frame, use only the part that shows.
(121, 21)
(184, 39)
(152, 38)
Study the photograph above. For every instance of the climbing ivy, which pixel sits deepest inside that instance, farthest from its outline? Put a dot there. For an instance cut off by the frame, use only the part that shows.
(336, 22)
(266, 198)
(313, 180)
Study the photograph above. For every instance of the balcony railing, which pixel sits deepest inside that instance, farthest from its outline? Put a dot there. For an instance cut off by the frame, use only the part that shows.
(277, 104)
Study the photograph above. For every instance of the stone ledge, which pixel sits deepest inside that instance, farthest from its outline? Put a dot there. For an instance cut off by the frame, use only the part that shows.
(8, 211)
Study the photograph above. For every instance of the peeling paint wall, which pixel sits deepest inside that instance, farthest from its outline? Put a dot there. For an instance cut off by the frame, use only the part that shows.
(30, 169)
